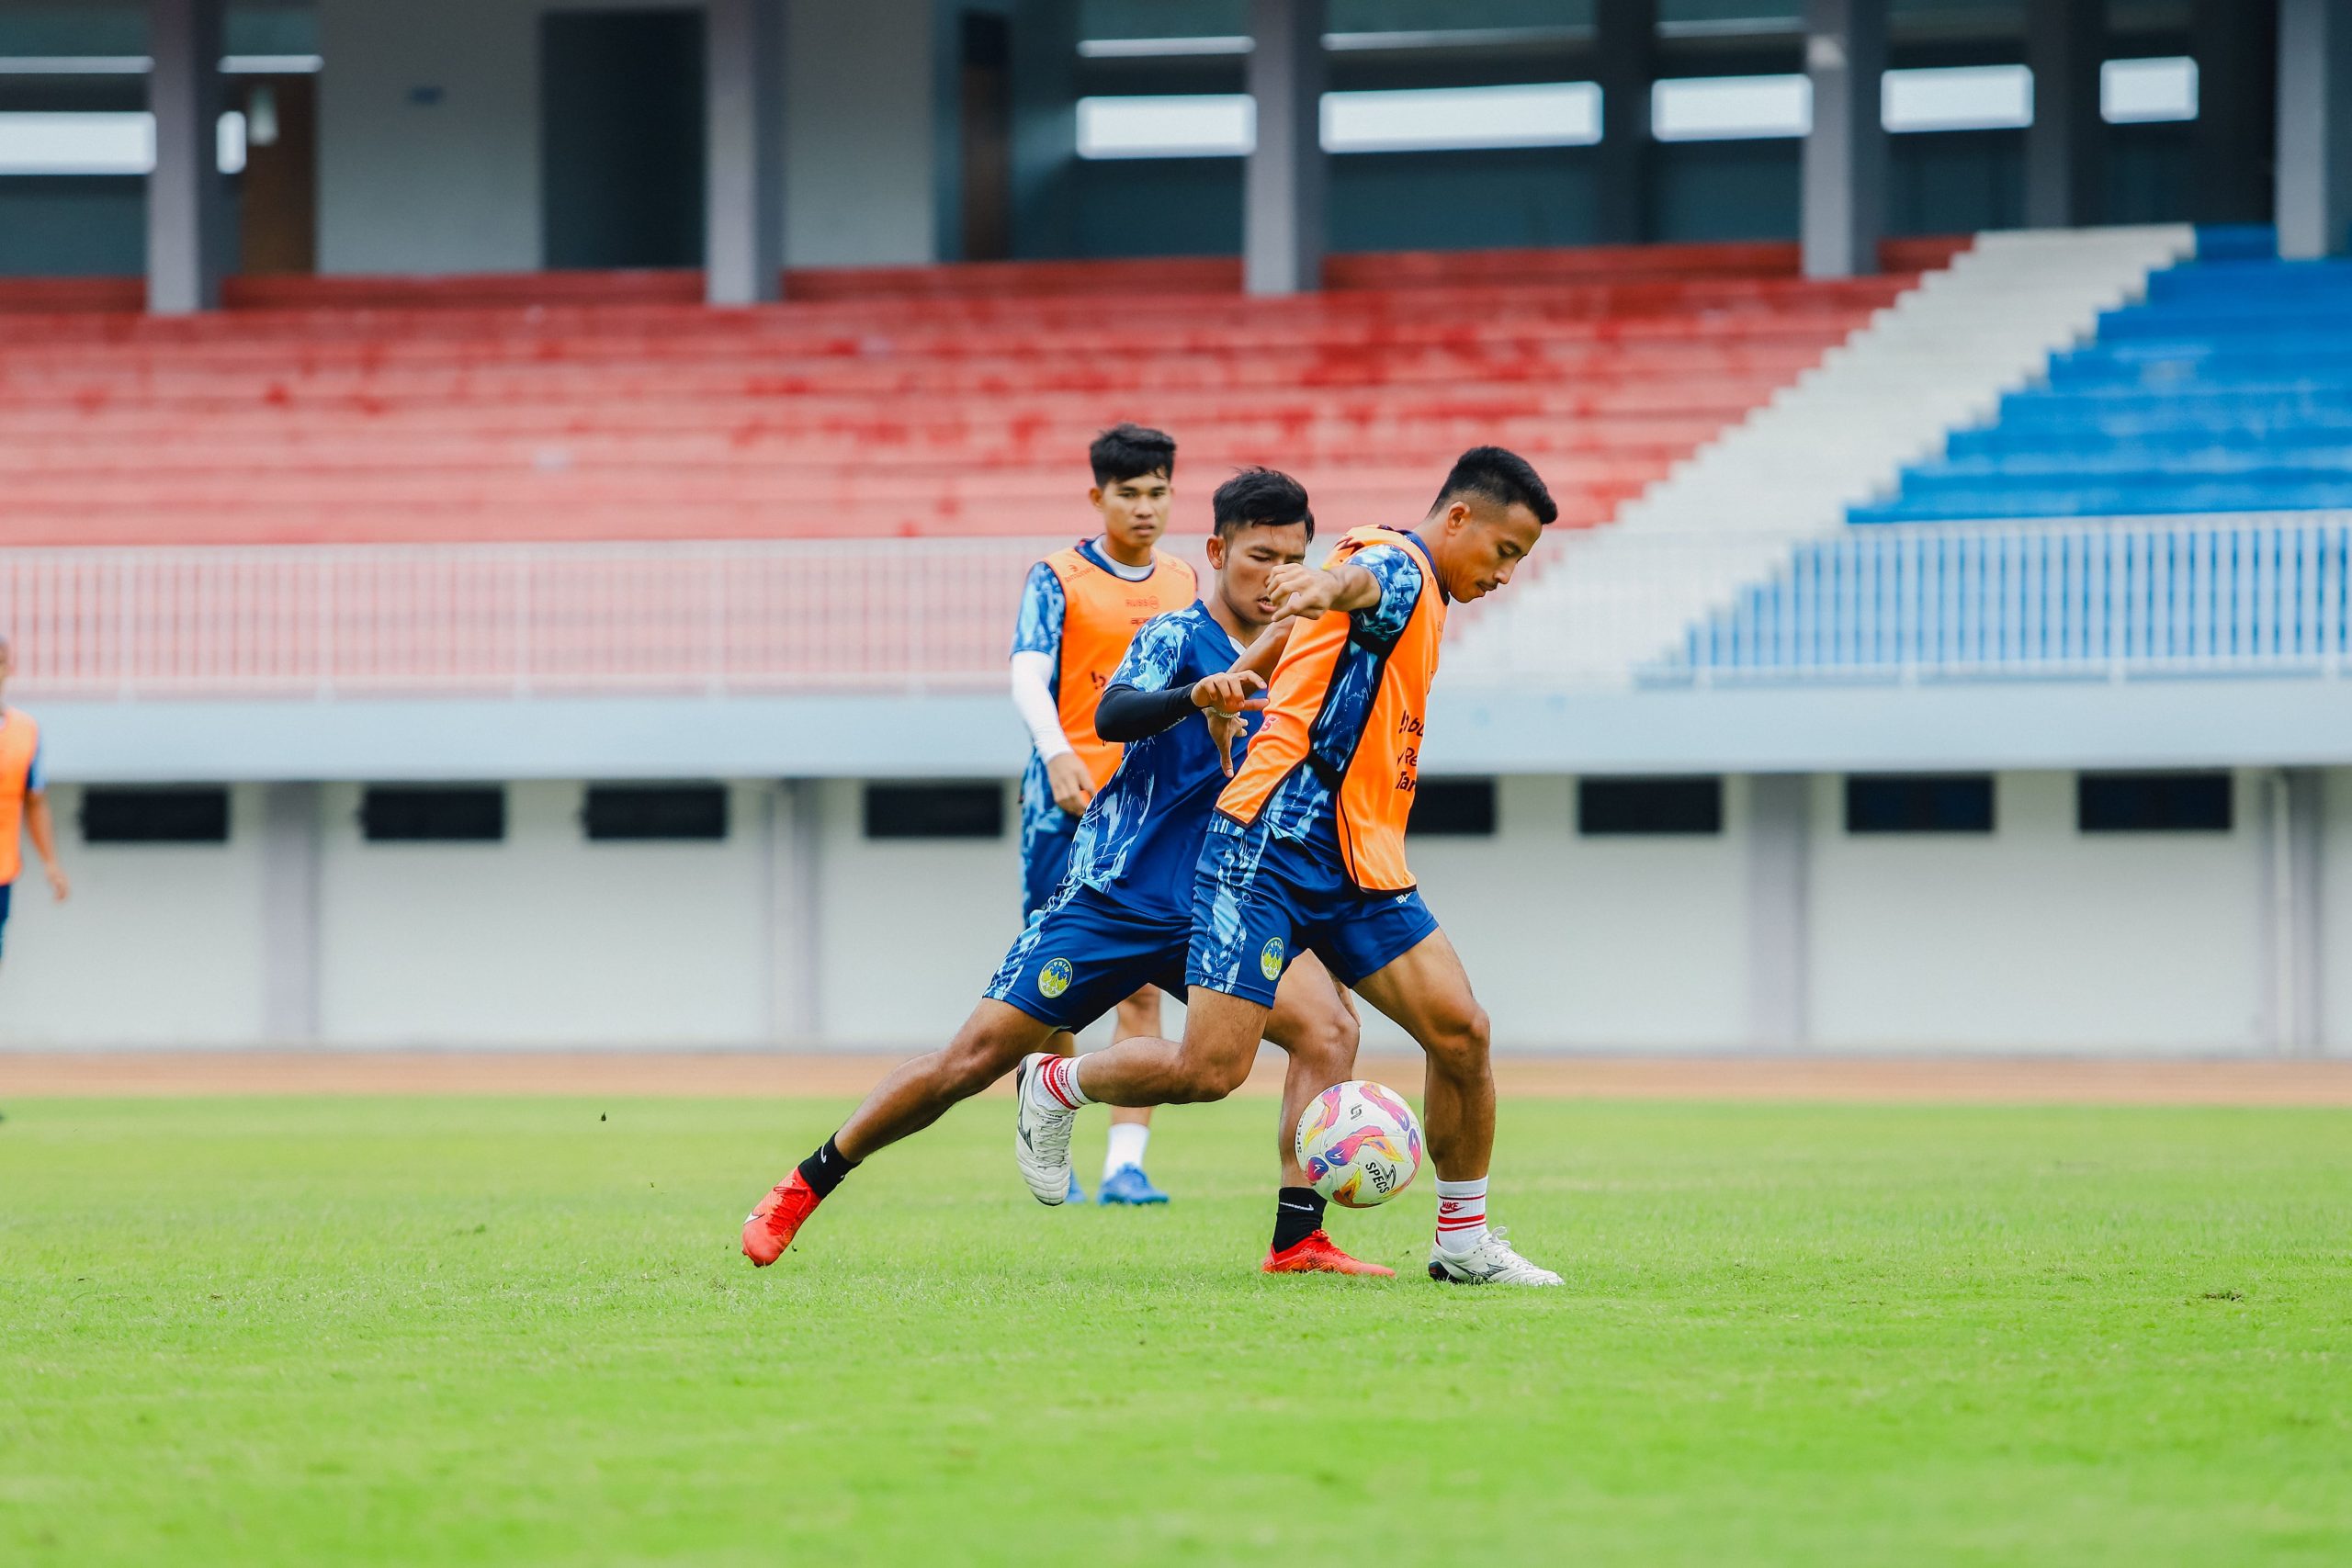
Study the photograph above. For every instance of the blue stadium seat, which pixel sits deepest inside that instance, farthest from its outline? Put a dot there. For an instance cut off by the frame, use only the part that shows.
(2229, 389)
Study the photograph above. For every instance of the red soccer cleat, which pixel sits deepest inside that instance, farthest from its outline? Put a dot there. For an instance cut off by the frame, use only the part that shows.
(772, 1225)
(1319, 1254)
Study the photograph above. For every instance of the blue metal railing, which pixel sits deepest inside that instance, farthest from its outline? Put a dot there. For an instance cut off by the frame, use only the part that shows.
(2117, 599)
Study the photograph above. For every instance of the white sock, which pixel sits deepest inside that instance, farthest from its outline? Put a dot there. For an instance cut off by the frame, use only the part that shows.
(1461, 1214)
(1055, 1084)
(1127, 1142)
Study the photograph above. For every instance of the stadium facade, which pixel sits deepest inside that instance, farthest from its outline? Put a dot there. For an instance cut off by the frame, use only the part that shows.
(448, 632)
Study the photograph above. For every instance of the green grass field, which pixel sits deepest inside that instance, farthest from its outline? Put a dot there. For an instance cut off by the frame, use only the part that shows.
(409, 1331)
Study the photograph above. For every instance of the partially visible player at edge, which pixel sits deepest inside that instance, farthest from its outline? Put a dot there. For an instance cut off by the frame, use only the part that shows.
(24, 798)
(1305, 852)
(1123, 918)
(1081, 608)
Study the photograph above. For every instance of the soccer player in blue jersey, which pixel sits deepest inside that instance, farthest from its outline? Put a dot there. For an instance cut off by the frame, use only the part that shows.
(1122, 918)
(1081, 608)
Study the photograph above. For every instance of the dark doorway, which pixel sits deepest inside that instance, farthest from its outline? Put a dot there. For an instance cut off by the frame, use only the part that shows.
(277, 221)
(987, 135)
(621, 138)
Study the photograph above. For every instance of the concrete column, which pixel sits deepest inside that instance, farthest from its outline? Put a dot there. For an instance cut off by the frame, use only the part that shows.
(1282, 218)
(2315, 201)
(1044, 131)
(743, 100)
(2064, 44)
(793, 827)
(1845, 153)
(188, 208)
(291, 828)
(1624, 65)
(2237, 50)
(1779, 950)
(2293, 814)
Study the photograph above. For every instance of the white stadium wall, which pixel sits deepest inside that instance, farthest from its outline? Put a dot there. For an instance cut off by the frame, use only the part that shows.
(2335, 912)
(2033, 938)
(545, 939)
(2036, 937)
(429, 134)
(161, 946)
(1596, 942)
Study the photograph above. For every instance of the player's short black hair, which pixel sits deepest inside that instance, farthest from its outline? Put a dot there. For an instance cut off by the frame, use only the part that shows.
(1502, 477)
(1259, 497)
(1131, 451)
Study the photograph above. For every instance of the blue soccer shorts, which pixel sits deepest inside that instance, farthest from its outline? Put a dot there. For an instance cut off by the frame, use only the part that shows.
(1084, 955)
(1258, 900)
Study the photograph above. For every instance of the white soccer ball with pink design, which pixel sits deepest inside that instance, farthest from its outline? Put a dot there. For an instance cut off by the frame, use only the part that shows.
(1359, 1143)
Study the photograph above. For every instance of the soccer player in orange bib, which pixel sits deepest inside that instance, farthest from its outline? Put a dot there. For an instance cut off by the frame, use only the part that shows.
(23, 799)
(1305, 850)
(1081, 609)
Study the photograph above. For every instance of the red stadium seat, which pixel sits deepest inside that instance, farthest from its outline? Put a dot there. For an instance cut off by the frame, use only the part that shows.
(881, 402)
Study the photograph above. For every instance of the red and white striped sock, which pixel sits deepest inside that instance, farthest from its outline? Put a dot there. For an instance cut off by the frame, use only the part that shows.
(1056, 1083)
(1461, 1214)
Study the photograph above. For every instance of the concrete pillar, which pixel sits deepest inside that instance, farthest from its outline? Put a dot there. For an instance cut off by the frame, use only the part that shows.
(187, 206)
(1282, 218)
(2314, 198)
(2237, 50)
(291, 828)
(1624, 65)
(793, 827)
(1780, 949)
(2293, 814)
(1845, 153)
(1045, 132)
(743, 105)
(2066, 41)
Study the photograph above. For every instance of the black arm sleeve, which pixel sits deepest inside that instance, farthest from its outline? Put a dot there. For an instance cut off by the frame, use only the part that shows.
(1125, 714)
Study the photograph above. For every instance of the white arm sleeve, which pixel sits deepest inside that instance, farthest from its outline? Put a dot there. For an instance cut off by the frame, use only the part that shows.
(1032, 695)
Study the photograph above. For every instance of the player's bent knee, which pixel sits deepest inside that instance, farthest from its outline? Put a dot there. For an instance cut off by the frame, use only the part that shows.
(978, 1057)
(1329, 1044)
(1462, 1041)
(1203, 1078)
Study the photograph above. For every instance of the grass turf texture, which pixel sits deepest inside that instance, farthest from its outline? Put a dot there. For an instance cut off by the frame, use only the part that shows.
(409, 1331)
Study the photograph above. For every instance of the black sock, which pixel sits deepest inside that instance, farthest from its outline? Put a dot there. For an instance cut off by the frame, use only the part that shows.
(1298, 1213)
(824, 1170)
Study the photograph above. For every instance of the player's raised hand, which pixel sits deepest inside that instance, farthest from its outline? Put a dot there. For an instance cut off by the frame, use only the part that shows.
(1073, 785)
(1228, 692)
(1302, 590)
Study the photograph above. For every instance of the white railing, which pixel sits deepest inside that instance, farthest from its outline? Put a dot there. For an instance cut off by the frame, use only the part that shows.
(333, 622)
(2122, 600)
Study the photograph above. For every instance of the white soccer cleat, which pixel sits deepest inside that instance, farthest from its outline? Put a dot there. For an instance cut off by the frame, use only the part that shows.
(1491, 1262)
(1041, 1130)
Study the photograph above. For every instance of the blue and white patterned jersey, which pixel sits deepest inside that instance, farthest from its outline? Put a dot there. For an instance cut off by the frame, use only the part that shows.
(1140, 840)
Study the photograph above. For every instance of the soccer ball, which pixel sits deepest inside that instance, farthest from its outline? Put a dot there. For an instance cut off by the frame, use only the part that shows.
(1359, 1143)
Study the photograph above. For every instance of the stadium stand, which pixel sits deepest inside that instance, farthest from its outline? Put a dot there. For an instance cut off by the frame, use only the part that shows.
(1940, 358)
(2153, 501)
(880, 403)
(2229, 389)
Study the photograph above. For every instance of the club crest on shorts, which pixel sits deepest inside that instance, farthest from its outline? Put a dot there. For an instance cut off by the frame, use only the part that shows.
(1269, 958)
(1053, 978)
